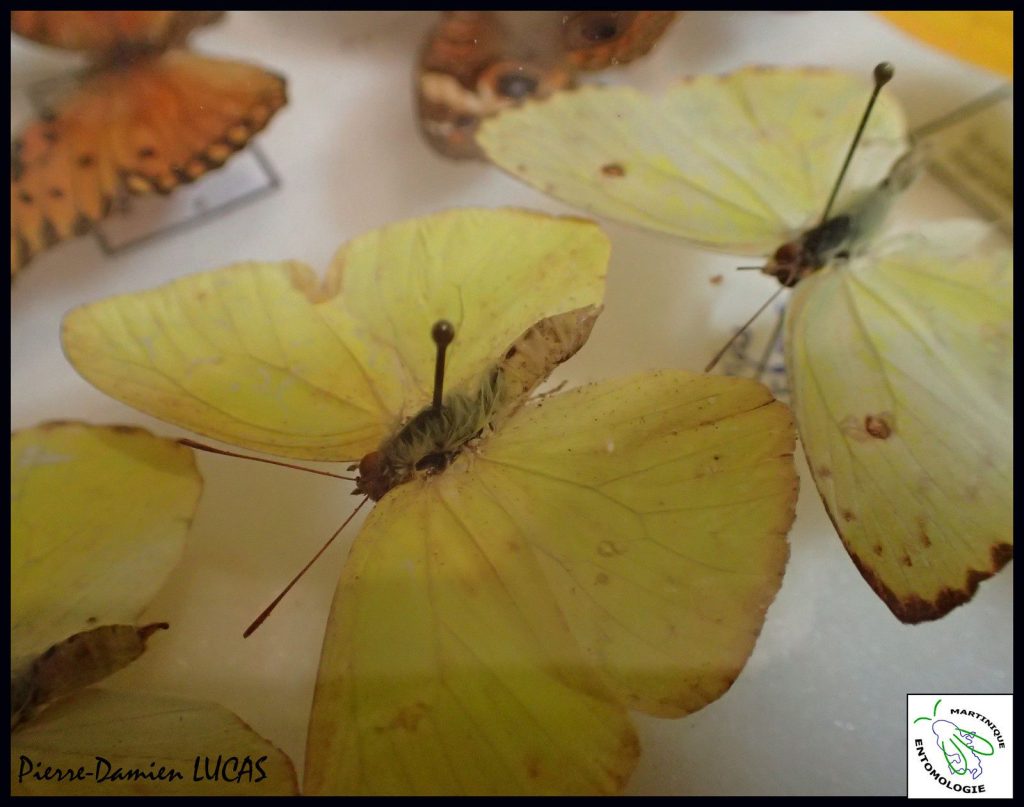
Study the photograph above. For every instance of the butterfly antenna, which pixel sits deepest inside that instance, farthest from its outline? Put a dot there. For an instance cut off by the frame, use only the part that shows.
(735, 336)
(962, 113)
(883, 75)
(766, 356)
(442, 333)
(266, 611)
(202, 447)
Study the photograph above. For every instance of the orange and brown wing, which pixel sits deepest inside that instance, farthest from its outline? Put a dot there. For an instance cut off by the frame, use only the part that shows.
(146, 128)
(594, 40)
(476, 63)
(107, 30)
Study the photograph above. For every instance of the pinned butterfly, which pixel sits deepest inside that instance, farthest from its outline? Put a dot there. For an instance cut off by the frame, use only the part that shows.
(898, 349)
(146, 116)
(533, 567)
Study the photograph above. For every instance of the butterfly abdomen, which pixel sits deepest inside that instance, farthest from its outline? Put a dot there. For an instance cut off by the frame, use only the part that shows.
(431, 440)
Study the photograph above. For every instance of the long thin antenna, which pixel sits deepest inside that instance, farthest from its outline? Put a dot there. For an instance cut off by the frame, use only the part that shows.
(766, 356)
(883, 75)
(961, 113)
(746, 325)
(266, 611)
(202, 447)
(442, 333)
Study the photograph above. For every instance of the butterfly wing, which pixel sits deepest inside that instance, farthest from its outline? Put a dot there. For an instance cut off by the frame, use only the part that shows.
(901, 371)
(476, 63)
(145, 128)
(104, 732)
(616, 544)
(98, 519)
(106, 30)
(594, 40)
(267, 357)
(739, 163)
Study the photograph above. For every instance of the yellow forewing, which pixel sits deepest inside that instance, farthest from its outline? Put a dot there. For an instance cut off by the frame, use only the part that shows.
(901, 367)
(267, 357)
(616, 545)
(98, 520)
(130, 731)
(740, 162)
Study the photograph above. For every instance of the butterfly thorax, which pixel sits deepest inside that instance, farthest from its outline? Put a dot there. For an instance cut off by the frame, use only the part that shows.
(848, 232)
(431, 439)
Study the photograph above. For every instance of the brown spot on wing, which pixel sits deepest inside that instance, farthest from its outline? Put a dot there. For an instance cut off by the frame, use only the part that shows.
(407, 718)
(848, 516)
(877, 426)
(922, 532)
(613, 170)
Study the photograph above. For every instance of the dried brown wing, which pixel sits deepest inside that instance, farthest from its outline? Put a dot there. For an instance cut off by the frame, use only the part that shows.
(75, 663)
(535, 355)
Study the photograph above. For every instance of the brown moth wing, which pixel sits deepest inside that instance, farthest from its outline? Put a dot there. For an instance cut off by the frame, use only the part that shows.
(595, 40)
(476, 63)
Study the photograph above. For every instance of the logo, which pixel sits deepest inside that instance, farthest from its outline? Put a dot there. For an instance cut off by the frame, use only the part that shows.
(959, 746)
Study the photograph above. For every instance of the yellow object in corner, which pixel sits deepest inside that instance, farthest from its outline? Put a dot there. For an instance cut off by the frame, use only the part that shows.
(984, 38)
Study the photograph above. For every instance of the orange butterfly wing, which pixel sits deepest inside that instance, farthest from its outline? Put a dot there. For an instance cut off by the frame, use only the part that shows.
(476, 63)
(146, 128)
(105, 30)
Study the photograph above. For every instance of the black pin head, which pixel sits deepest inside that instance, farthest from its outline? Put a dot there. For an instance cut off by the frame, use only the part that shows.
(884, 71)
(442, 333)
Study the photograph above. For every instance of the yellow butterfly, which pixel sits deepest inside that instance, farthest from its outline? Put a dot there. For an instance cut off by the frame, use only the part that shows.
(898, 350)
(98, 520)
(534, 567)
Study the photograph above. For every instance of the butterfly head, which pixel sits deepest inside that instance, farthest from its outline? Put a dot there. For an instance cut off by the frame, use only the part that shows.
(796, 259)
